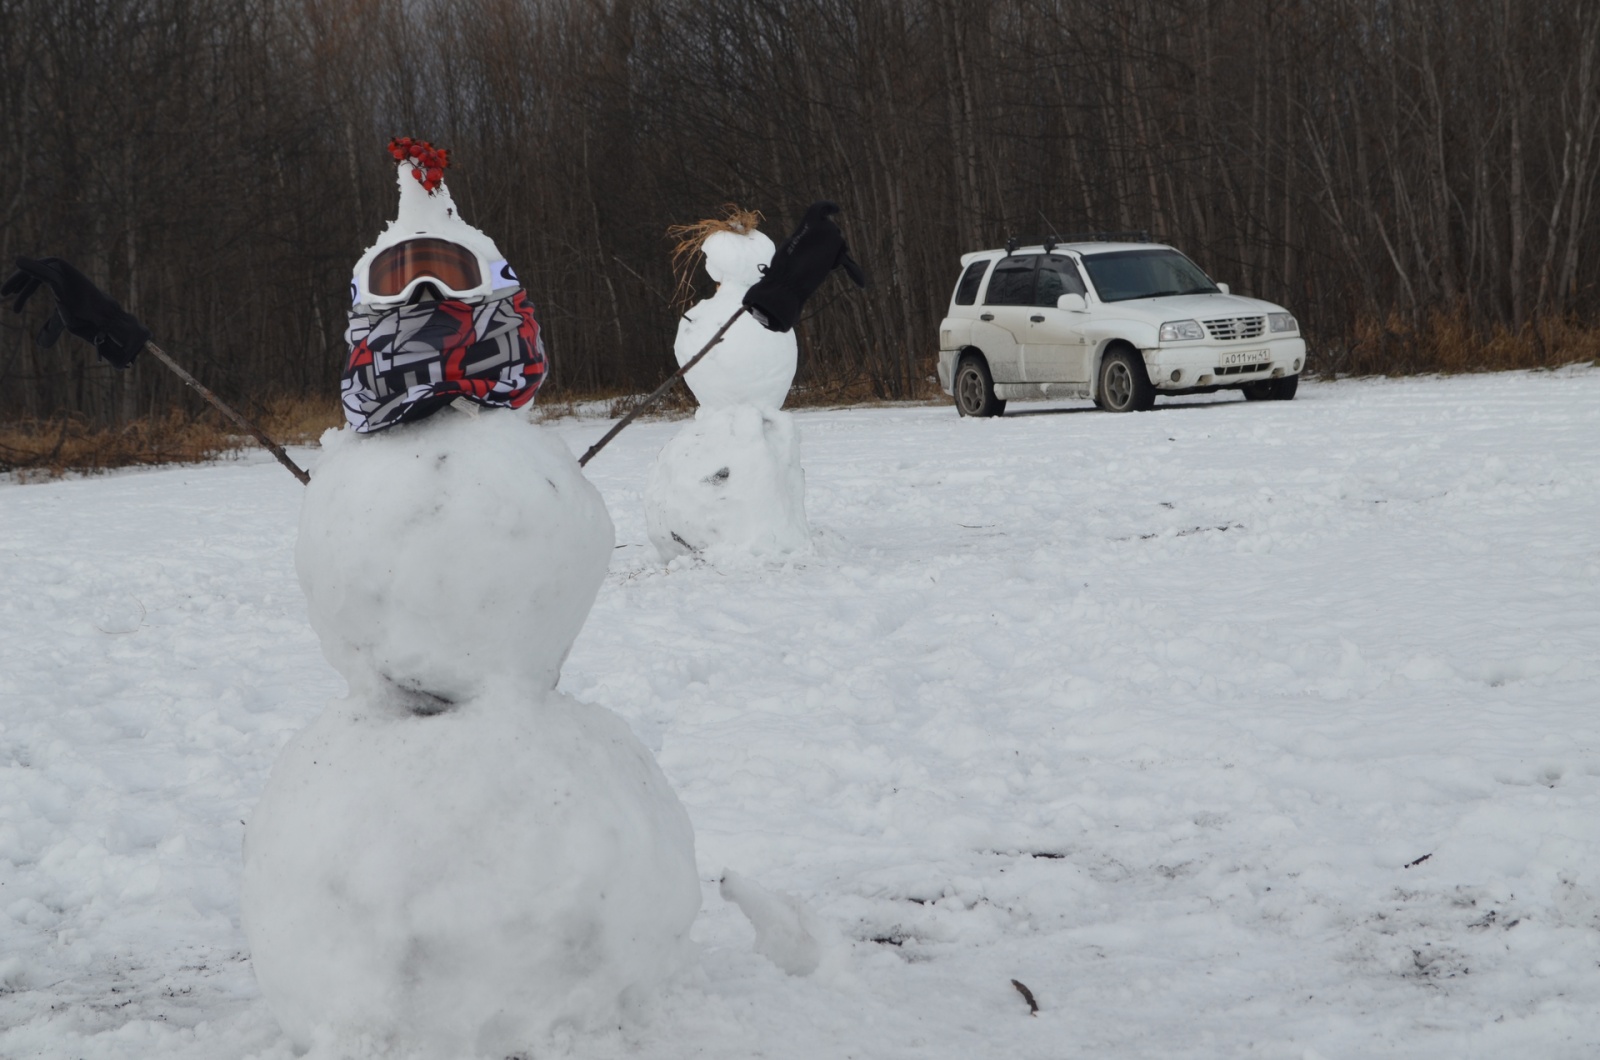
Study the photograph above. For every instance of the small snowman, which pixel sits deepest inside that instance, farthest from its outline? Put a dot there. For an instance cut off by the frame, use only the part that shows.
(730, 483)
(455, 860)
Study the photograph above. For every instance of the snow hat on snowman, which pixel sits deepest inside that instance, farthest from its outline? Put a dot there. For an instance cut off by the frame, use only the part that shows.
(437, 313)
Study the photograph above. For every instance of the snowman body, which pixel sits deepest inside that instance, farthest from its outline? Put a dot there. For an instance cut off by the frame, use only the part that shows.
(457, 859)
(729, 481)
(730, 484)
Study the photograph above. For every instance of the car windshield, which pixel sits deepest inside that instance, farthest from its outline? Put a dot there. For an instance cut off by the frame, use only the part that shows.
(1124, 274)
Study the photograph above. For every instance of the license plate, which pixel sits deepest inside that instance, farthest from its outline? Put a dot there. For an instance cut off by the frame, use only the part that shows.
(1245, 357)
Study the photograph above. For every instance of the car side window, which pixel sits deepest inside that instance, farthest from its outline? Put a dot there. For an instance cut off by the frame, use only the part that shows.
(1057, 276)
(1012, 282)
(967, 289)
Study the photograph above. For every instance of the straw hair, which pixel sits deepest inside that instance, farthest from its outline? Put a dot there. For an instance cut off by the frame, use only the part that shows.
(686, 254)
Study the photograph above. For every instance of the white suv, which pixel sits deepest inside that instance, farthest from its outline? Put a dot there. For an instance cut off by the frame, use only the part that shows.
(1118, 322)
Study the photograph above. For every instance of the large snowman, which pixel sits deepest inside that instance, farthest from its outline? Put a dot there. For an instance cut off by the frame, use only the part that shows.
(456, 859)
(730, 483)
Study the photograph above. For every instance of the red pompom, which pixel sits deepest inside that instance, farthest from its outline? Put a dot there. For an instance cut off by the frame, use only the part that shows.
(427, 162)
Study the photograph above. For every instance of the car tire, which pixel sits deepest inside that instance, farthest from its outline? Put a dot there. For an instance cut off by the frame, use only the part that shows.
(973, 389)
(1272, 389)
(1124, 383)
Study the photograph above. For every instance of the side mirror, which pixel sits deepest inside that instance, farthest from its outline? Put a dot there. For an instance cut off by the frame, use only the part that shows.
(1222, 287)
(1072, 303)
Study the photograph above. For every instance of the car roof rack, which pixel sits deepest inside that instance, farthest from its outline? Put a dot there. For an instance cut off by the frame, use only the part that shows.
(1052, 241)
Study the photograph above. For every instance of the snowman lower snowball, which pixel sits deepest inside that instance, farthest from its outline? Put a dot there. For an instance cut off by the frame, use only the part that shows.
(730, 483)
(457, 859)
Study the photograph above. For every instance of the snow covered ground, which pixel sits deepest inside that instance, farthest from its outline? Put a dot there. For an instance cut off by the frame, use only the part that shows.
(1228, 729)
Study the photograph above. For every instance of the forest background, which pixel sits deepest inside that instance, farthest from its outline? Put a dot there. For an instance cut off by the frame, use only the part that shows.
(1415, 179)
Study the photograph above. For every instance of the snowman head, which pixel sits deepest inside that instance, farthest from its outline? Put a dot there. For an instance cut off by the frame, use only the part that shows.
(731, 246)
(428, 250)
(732, 258)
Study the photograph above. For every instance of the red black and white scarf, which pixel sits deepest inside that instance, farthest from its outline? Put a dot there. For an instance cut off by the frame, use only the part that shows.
(409, 362)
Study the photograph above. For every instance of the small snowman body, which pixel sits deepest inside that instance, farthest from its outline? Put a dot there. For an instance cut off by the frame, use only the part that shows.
(730, 483)
(751, 365)
(457, 859)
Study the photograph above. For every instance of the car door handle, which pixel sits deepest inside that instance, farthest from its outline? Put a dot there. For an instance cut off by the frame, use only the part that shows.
(986, 316)
(1037, 319)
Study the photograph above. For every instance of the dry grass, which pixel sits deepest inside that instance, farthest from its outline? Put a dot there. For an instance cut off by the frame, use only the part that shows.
(1450, 342)
(51, 448)
(679, 401)
(674, 404)
(1442, 342)
(300, 421)
(39, 449)
(860, 391)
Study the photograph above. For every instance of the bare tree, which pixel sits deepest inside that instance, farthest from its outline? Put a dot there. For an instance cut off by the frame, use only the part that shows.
(218, 164)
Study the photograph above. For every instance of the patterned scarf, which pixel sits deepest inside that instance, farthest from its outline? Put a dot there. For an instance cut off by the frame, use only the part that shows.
(409, 362)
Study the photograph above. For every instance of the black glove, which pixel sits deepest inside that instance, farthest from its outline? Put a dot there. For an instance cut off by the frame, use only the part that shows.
(81, 308)
(798, 268)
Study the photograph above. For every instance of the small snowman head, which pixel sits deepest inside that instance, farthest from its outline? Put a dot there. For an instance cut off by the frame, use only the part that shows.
(737, 259)
(428, 250)
(733, 249)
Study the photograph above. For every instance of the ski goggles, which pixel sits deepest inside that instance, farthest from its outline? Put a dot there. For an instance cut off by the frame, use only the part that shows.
(396, 272)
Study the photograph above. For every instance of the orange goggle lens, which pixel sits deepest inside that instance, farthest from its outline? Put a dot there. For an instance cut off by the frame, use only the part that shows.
(451, 264)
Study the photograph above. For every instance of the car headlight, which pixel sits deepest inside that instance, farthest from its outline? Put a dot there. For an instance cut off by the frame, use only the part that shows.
(1182, 331)
(1282, 322)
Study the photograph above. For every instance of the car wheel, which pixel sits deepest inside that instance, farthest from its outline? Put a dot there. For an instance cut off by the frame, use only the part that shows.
(1124, 384)
(974, 389)
(1272, 389)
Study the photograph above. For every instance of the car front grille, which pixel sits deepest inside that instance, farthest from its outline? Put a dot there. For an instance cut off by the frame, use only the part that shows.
(1227, 329)
(1241, 369)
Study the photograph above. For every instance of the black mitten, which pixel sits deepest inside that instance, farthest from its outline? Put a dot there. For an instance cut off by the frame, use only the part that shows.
(81, 308)
(798, 268)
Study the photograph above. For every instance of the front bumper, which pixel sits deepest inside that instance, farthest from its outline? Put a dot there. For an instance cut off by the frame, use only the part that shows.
(1206, 364)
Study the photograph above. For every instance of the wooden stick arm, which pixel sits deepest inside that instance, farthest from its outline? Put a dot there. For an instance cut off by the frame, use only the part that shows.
(655, 395)
(238, 420)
